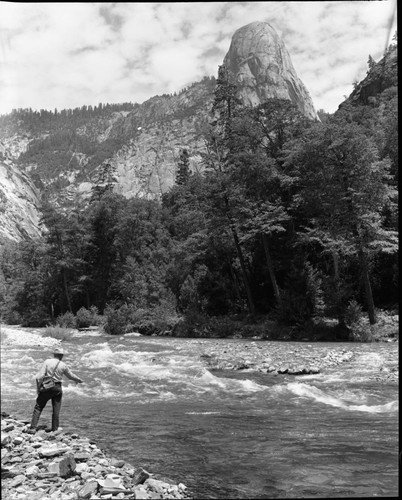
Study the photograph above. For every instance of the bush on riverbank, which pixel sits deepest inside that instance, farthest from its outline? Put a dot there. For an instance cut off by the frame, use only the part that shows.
(58, 332)
(199, 325)
(37, 318)
(66, 320)
(83, 319)
(159, 320)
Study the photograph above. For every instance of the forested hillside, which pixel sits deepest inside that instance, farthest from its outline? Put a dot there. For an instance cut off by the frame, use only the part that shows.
(291, 220)
(64, 149)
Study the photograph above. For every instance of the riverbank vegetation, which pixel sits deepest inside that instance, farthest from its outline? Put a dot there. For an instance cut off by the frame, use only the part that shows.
(290, 228)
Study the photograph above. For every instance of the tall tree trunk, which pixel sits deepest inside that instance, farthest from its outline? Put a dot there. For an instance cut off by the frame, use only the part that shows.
(250, 301)
(67, 294)
(335, 259)
(271, 268)
(367, 287)
(235, 280)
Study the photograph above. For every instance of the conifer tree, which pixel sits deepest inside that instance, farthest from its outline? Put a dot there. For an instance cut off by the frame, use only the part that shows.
(183, 171)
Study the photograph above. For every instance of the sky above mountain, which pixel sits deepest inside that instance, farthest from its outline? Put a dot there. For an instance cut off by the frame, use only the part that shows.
(66, 55)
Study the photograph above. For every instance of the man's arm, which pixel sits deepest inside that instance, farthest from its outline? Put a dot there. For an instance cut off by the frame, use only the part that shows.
(68, 373)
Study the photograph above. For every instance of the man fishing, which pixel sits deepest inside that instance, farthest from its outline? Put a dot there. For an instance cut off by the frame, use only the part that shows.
(53, 369)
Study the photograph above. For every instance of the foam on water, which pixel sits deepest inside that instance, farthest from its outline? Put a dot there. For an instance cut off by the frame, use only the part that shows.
(203, 412)
(166, 372)
(305, 390)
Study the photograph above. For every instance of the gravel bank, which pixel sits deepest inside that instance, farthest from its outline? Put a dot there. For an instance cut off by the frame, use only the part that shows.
(18, 337)
(283, 358)
(65, 466)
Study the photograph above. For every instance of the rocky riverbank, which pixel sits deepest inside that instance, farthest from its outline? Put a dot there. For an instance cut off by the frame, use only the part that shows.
(282, 358)
(64, 466)
(22, 337)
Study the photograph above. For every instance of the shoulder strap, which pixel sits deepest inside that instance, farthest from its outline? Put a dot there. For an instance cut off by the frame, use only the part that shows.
(51, 376)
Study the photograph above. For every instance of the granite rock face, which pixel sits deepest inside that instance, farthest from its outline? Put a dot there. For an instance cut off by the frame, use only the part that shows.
(19, 204)
(261, 65)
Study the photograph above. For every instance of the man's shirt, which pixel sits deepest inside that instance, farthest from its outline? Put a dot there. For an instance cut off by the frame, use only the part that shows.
(48, 368)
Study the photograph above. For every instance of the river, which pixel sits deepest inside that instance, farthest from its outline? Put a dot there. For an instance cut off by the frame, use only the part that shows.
(226, 434)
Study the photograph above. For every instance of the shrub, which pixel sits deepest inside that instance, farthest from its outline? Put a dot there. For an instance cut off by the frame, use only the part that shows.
(66, 320)
(353, 313)
(37, 318)
(362, 331)
(194, 324)
(96, 317)
(83, 318)
(58, 332)
(12, 317)
(118, 321)
(159, 320)
(359, 328)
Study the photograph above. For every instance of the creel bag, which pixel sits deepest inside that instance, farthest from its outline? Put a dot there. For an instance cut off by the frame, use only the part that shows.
(47, 383)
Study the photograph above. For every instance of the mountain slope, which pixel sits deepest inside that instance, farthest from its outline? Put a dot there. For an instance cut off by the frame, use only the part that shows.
(63, 152)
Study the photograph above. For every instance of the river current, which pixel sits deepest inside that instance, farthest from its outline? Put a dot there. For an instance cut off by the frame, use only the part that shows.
(152, 402)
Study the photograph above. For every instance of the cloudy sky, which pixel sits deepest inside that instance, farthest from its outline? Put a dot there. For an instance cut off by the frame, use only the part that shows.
(65, 55)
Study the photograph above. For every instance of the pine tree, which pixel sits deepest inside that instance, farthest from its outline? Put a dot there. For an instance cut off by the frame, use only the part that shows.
(105, 182)
(183, 171)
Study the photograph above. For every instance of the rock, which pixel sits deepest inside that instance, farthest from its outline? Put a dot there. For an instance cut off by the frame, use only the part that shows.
(89, 489)
(17, 481)
(140, 476)
(283, 369)
(81, 456)
(81, 467)
(5, 439)
(97, 468)
(46, 475)
(261, 66)
(140, 493)
(53, 452)
(64, 466)
(157, 485)
(314, 369)
(32, 471)
(87, 475)
(73, 486)
(117, 463)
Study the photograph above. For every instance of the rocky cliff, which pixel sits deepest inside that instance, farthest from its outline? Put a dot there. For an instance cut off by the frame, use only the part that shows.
(19, 204)
(382, 76)
(262, 67)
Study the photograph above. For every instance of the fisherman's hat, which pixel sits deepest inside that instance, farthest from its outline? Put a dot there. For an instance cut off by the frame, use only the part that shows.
(58, 350)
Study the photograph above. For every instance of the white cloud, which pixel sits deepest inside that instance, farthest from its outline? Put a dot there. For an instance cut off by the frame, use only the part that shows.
(69, 54)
